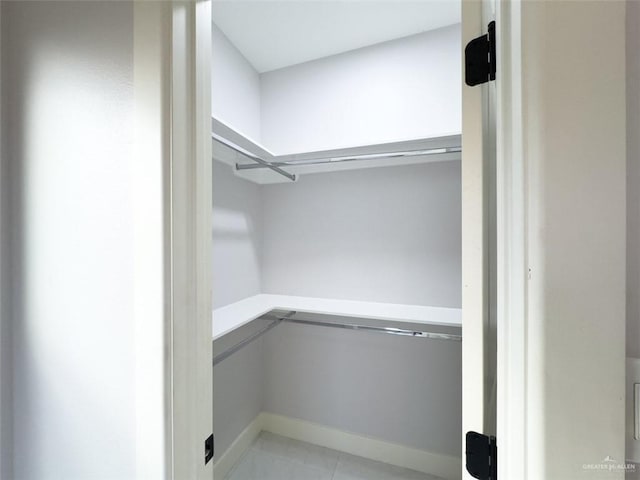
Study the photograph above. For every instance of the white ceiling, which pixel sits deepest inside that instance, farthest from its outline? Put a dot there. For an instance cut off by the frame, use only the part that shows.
(272, 34)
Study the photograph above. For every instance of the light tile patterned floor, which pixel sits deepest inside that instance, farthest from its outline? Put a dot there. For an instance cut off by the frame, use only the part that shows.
(272, 457)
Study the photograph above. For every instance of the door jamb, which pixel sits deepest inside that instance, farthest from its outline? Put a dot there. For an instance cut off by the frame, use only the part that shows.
(511, 235)
(190, 230)
(475, 218)
(511, 245)
(172, 222)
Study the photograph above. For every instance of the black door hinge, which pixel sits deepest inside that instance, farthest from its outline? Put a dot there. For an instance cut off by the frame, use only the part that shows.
(208, 449)
(482, 456)
(480, 58)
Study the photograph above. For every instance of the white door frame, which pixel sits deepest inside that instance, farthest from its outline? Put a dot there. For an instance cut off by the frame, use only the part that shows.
(511, 222)
(510, 253)
(174, 382)
(173, 40)
(475, 242)
(173, 308)
(525, 428)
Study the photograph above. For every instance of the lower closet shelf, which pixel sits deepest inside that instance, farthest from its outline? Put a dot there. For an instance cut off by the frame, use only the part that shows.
(231, 317)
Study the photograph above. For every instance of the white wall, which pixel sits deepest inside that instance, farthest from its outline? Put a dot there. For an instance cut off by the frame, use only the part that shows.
(237, 237)
(235, 88)
(574, 114)
(403, 390)
(407, 88)
(397, 90)
(67, 99)
(238, 386)
(388, 235)
(236, 256)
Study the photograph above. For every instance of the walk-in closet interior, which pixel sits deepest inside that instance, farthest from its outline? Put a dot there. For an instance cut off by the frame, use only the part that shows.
(337, 240)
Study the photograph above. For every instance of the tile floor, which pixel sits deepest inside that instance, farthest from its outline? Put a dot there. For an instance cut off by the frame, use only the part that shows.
(273, 457)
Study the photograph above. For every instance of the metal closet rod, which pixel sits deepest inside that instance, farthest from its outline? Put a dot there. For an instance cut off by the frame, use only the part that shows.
(260, 163)
(349, 326)
(243, 343)
(351, 158)
(368, 328)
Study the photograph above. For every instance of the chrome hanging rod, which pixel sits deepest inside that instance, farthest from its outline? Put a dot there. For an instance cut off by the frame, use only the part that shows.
(243, 343)
(368, 328)
(352, 158)
(260, 163)
(289, 318)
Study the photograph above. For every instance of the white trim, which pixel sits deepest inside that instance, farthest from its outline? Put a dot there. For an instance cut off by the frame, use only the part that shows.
(203, 187)
(237, 449)
(511, 248)
(474, 241)
(189, 233)
(172, 303)
(632, 453)
(440, 465)
(443, 466)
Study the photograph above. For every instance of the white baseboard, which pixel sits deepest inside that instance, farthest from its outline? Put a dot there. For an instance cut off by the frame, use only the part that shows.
(225, 463)
(443, 466)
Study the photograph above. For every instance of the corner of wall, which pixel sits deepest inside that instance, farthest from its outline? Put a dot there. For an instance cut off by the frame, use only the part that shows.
(240, 105)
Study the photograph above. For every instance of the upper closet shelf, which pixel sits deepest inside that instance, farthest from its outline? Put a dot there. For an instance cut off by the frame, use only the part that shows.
(231, 317)
(254, 162)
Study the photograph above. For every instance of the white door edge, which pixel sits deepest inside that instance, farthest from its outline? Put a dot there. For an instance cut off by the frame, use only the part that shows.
(475, 248)
(511, 248)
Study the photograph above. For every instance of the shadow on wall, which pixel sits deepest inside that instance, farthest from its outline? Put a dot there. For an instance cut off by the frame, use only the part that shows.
(237, 237)
(67, 234)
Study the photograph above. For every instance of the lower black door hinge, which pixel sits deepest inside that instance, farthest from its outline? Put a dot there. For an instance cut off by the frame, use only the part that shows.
(480, 58)
(482, 456)
(208, 449)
